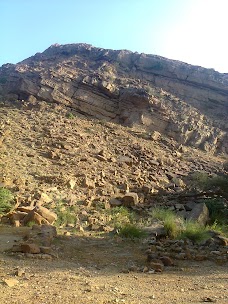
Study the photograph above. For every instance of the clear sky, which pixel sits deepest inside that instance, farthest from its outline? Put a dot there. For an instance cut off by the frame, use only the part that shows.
(193, 31)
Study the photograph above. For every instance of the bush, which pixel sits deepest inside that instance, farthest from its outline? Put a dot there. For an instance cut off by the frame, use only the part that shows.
(131, 231)
(218, 210)
(204, 182)
(170, 220)
(120, 216)
(220, 228)
(66, 215)
(6, 199)
(194, 231)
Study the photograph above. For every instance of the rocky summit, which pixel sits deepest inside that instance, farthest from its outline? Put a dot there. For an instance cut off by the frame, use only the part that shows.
(186, 103)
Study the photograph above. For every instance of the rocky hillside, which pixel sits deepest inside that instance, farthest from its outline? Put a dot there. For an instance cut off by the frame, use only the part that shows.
(186, 103)
(47, 154)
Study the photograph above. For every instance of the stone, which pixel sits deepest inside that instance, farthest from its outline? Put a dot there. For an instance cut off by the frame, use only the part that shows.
(221, 240)
(199, 213)
(88, 183)
(167, 261)
(189, 206)
(44, 198)
(130, 199)
(50, 216)
(19, 272)
(155, 135)
(178, 182)
(11, 282)
(35, 217)
(158, 267)
(71, 184)
(30, 248)
(115, 202)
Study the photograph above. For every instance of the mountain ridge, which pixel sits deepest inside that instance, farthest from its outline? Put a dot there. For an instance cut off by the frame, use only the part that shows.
(188, 103)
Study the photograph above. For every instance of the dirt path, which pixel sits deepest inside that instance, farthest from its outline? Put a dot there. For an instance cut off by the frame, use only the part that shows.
(90, 270)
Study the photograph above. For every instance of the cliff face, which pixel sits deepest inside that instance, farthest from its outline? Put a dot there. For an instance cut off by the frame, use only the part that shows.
(185, 102)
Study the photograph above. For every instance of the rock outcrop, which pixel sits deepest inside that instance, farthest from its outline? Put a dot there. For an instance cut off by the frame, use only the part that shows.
(187, 103)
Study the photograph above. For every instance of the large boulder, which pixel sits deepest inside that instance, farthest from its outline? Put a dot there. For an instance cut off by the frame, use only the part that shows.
(199, 213)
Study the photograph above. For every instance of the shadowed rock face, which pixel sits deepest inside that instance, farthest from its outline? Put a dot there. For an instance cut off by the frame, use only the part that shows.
(186, 102)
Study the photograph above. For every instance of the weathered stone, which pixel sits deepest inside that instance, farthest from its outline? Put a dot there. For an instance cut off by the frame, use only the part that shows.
(167, 261)
(35, 217)
(178, 182)
(221, 240)
(114, 202)
(130, 199)
(199, 213)
(88, 183)
(158, 267)
(155, 135)
(71, 183)
(45, 213)
(11, 282)
(30, 248)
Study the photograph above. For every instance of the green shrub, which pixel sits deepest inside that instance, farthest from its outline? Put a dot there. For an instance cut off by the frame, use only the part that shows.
(66, 215)
(70, 115)
(119, 216)
(131, 231)
(220, 228)
(218, 211)
(194, 231)
(170, 220)
(204, 182)
(6, 199)
(162, 214)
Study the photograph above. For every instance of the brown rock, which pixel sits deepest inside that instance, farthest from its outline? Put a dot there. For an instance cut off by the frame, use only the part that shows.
(130, 199)
(33, 216)
(114, 202)
(45, 213)
(30, 248)
(11, 282)
(167, 261)
(71, 184)
(221, 240)
(158, 267)
(88, 183)
(46, 250)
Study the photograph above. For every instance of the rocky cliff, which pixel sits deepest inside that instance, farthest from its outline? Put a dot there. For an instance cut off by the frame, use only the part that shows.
(185, 102)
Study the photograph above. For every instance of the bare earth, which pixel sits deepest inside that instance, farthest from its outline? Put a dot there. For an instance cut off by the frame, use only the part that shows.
(90, 269)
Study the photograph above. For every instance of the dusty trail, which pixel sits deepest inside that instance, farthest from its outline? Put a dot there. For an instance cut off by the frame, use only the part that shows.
(90, 270)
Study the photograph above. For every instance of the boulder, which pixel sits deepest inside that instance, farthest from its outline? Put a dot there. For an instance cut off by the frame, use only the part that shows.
(50, 216)
(130, 199)
(30, 248)
(35, 217)
(199, 213)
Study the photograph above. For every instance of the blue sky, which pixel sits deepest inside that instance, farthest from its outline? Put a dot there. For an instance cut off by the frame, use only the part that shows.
(193, 31)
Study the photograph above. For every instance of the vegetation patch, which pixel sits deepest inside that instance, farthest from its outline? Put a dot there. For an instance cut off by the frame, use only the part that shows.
(170, 220)
(66, 215)
(131, 231)
(6, 199)
(194, 232)
(218, 210)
